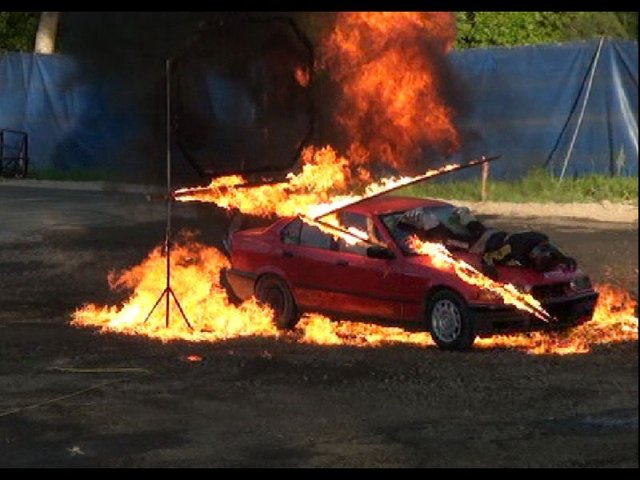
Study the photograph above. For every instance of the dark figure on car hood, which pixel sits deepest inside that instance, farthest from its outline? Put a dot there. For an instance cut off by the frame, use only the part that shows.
(463, 231)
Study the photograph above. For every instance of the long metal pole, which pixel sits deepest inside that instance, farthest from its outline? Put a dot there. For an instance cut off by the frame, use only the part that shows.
(469, 164)
(167, 237)
(169, 199)
(593, 68)
(196, 190)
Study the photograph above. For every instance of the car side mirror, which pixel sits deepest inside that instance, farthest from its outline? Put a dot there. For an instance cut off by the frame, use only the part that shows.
(378, 251)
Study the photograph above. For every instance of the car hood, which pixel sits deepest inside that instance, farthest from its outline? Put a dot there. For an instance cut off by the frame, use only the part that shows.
(506, 274)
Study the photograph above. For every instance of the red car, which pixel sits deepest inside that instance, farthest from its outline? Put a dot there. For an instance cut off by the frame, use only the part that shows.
(296, 267)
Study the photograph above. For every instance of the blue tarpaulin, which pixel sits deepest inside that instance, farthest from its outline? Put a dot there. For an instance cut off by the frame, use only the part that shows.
(70, 120)
(572, 108)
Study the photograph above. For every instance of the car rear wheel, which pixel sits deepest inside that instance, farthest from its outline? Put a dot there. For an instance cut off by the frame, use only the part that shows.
(274, 292)
(224, 283)
(449, 322)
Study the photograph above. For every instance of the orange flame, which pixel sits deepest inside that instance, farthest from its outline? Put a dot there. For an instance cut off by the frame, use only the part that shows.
(196, 280)
(302, 76)
(442, 259)
(323, 173)
(389, 66)
(331, 225)
(614, 321)
(319, 188)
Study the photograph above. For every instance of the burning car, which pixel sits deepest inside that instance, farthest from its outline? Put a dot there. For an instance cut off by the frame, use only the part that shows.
(366, 266)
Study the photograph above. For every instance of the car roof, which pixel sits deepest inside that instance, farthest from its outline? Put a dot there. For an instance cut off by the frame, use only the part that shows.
(390, 204)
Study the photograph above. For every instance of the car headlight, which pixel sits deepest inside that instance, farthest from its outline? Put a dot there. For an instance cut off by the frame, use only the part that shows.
(580, 283)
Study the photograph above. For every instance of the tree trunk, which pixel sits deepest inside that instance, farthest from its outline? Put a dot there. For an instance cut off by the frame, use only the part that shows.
(46, 34)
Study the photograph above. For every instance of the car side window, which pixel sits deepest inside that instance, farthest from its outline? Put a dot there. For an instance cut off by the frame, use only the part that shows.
(375, 236)
(350, 220)
(291, 233)
(391, 221)
(311, 236)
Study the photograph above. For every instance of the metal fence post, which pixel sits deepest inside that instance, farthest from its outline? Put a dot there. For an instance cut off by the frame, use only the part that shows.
(485, 182)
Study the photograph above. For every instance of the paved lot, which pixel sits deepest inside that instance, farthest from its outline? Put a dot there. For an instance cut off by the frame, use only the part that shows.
(261, 402)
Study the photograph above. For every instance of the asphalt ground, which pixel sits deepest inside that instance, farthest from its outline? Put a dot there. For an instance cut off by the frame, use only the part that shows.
(265, 402)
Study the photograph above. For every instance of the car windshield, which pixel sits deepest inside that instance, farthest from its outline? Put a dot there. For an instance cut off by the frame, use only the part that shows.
(443, 214)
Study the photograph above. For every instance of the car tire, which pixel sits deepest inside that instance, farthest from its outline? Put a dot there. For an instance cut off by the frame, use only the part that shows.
(274, 291)
(226, 285)
(450, 324)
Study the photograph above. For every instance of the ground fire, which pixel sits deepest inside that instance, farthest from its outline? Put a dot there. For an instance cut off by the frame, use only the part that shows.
(392, 105)
(196, 278)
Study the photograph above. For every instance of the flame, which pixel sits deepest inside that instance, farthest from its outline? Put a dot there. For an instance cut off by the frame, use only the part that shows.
(195, 275)
(196, 270)
(442, 259)
(390, 68)
(318, 189)
(318, 329)
(323, 173)
(302, 76)
(331, 225)
(614, 321)
(196, 280)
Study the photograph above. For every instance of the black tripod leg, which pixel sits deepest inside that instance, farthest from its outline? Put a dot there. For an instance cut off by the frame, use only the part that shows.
(154, 306)
(184, 316)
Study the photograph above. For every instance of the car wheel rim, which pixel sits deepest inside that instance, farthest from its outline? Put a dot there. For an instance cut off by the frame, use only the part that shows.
(446, 321)
(275, 299)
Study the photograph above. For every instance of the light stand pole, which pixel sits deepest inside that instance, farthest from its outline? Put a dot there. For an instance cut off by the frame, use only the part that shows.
(168, 292)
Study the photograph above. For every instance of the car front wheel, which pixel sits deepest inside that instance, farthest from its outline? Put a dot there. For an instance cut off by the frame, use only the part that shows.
(449, 322)
(274, 292)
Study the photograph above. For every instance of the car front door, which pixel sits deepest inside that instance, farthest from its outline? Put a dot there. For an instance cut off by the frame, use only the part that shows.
(366, 286)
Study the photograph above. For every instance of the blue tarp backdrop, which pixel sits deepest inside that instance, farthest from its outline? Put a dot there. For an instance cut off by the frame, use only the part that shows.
(70, 120)
(572, 108)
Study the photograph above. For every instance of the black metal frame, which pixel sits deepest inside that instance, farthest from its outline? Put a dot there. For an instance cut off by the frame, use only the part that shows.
(175, 60)
(19, 163)
(168, 292)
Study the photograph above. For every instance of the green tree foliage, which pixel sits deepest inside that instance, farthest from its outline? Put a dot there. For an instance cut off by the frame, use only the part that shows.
(18, 31)
(475, 29)
(481, 29)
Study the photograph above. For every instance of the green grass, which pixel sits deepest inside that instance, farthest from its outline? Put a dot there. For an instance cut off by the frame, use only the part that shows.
(538, 186)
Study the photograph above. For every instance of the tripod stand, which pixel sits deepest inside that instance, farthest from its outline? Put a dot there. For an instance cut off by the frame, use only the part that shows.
(168, 292)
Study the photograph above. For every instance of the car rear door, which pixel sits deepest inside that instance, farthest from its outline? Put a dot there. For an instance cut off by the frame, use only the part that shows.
(310, 262)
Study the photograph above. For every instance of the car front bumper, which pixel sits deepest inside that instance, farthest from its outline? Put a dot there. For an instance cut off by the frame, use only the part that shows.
(568, 312)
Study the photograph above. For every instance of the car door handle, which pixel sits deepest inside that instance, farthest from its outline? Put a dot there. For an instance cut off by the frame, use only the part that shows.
(287, 254)
(342, 263)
